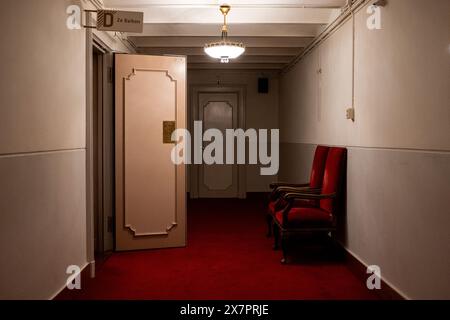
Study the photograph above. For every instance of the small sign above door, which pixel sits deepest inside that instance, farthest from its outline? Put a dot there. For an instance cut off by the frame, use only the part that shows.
(120, 21)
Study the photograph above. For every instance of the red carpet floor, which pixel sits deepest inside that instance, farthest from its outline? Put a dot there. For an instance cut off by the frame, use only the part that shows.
(227, 257)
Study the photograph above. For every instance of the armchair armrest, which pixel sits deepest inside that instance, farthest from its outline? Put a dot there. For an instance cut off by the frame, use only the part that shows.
(297, 190)
(276, 192)
(308, 196)
(274, 185)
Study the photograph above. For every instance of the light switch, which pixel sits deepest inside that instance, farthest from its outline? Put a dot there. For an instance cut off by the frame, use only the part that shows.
(351, 114)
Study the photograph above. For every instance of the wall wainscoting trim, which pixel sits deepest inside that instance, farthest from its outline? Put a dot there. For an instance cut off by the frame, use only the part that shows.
(369, 148)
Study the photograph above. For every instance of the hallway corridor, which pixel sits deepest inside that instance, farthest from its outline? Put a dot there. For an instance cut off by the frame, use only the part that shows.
(227, 257)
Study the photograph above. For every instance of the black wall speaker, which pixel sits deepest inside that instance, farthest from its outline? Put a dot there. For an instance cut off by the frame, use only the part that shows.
(263, 85)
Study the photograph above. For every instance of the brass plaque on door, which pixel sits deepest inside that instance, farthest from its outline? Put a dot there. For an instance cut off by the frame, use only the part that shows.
(168, 129)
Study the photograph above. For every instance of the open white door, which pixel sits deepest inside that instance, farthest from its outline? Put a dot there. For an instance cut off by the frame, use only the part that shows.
(150, 189)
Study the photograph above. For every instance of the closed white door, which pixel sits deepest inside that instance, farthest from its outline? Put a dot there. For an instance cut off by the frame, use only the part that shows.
(218, 111)
(150, 189)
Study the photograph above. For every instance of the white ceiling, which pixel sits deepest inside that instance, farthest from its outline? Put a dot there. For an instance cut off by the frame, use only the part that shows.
(234, 3)
(274, 32)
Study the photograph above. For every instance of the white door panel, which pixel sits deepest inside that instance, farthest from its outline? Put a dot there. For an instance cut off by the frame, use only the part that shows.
(150, 189)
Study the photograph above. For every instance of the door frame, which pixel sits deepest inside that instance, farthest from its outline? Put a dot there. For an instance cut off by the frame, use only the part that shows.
(98, 143)
(93, 42)
(194, 91)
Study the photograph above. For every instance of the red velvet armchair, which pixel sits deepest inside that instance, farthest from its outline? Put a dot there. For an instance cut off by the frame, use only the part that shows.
(295, 217)
(277, 202)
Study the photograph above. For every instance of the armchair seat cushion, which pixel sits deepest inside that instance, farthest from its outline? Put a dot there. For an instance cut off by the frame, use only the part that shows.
(277, 205)
(306, 217)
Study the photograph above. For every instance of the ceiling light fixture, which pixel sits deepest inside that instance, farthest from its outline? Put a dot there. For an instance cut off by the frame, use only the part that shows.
(224, 49)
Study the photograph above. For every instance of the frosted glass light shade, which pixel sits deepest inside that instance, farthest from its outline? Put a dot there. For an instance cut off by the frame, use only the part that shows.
(224, 50)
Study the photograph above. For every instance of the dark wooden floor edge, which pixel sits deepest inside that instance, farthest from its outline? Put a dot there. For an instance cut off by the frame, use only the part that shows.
(359, 269)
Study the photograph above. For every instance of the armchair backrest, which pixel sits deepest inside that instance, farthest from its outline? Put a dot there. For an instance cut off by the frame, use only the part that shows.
(318, 166)
(334, 171)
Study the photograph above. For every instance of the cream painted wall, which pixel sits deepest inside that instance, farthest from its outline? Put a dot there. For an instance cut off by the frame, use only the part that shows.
(401, 85)
(43, 222)
(261, 109)
(42, 102)
(399, 160)
(42, 147)
(42, 142)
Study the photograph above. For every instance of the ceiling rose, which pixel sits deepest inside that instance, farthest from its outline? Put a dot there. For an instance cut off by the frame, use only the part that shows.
(224, 49)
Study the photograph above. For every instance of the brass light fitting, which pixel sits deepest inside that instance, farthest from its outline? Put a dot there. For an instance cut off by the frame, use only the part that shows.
(224, 49)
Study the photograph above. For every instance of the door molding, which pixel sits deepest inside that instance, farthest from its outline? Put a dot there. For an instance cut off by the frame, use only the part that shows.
(127, 224)
(194, 91)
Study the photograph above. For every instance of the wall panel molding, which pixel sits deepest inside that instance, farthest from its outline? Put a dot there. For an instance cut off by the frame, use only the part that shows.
(128, 218)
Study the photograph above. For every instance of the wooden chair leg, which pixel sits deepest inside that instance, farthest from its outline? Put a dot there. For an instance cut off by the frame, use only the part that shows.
(269, 225)
(284, 247)
(276, 236)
